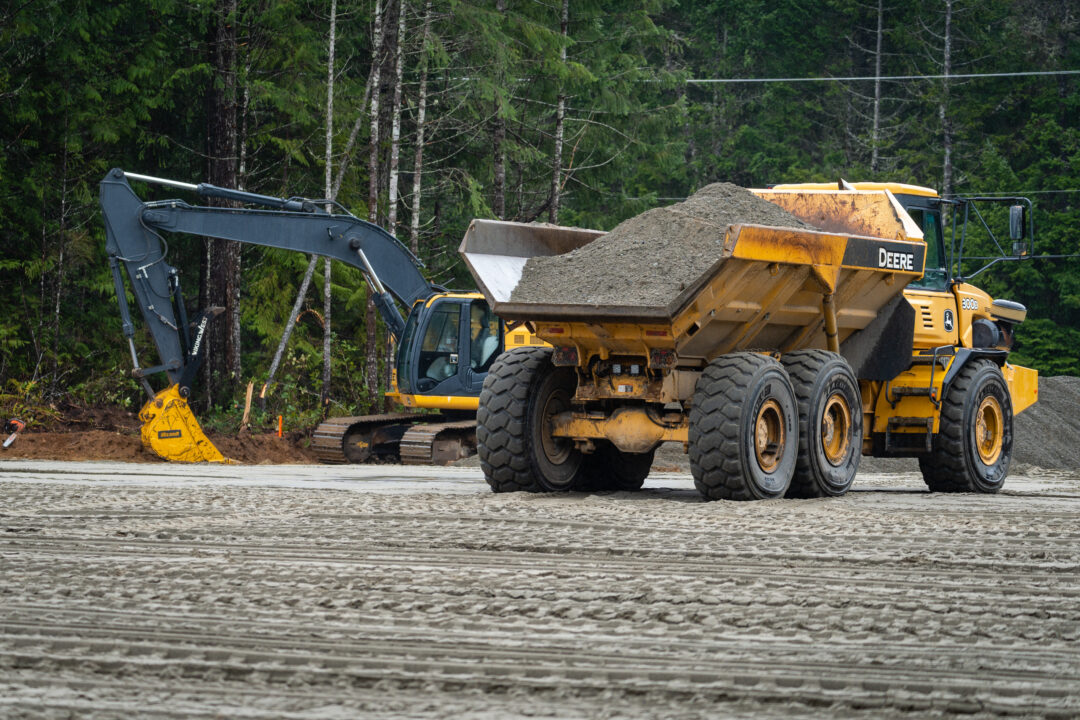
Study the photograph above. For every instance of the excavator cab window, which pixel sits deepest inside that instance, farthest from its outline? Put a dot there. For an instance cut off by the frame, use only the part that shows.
(439, 348)
(484, 334)
(936, 275)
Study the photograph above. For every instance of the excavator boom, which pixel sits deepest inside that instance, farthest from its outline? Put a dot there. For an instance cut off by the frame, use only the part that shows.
(134, 242)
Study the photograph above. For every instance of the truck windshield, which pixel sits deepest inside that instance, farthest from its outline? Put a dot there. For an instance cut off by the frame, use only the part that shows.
(936, 276)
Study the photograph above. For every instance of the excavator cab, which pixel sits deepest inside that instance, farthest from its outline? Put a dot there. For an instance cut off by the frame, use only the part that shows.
(447, 347)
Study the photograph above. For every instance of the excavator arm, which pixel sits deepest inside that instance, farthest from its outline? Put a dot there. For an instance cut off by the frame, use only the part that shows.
(134, 240)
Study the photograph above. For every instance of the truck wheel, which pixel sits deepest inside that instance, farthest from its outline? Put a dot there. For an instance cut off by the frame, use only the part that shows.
(830, 423)
(608, 468)
(973, 447)
(517, 452)
(744, 430)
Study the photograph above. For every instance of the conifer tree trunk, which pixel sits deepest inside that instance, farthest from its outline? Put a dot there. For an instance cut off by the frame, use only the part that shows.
(371, 346)
(289, 325)
(222, 257)
(324, 398)
(395, 157)
(395, 124)
(373, 146)
(418, 160)
(560, 112)
(875, 136)
(943, 107)
(498, 154)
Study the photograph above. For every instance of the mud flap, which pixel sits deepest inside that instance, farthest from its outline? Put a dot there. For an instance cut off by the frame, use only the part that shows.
(172, 432)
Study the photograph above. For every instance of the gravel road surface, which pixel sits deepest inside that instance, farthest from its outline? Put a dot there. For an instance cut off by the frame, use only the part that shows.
(389, 592)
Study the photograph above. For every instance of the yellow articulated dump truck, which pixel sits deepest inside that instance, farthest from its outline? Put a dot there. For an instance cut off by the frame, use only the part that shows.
(777, 348)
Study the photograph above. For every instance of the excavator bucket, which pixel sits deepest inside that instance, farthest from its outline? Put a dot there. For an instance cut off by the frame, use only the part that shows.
(171, 431)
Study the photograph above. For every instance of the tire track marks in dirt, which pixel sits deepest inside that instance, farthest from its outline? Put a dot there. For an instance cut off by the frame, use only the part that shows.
(316, 603)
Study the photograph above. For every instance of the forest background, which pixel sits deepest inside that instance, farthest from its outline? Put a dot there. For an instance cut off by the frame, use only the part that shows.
(421, 115)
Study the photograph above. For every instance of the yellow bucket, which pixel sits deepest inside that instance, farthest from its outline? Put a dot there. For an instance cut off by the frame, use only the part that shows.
(170, 430)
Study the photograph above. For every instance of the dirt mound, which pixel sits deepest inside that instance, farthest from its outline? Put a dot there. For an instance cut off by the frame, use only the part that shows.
(265, 449)
(78, 445)
(125, 446)
(1048, 432)
(648, 260)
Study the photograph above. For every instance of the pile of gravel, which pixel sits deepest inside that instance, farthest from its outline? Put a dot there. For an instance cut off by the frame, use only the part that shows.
(1047, 434)
(648, 260)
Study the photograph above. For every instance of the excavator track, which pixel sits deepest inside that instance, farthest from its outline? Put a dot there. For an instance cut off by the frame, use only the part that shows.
(438, 443)
(364, 438)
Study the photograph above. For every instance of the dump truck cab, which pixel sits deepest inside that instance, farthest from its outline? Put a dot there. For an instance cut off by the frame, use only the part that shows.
(955, 323)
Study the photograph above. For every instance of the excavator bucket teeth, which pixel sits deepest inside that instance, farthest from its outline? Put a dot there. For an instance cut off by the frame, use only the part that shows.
(171, 431)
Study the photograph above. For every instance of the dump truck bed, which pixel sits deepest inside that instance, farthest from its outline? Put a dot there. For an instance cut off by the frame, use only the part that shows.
(764, 289)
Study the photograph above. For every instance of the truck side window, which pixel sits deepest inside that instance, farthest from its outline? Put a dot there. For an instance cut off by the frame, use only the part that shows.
(439, 351)
(936, 276)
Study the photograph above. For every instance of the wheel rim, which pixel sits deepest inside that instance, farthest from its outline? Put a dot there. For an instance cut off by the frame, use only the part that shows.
(769, 436)
(988, 430)
(836, 429)
(557, 450)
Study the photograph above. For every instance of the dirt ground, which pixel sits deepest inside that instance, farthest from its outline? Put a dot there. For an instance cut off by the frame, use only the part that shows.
(112, 433)
(390, 592)
(125, 446)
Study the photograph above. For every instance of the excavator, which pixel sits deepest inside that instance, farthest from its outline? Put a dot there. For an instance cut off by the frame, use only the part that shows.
(446, 340)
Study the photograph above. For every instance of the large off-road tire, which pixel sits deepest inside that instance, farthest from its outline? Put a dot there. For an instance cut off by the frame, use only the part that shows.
(517, 452)
(973, 447)
(744, 430)
(608, 468)
(830, 423)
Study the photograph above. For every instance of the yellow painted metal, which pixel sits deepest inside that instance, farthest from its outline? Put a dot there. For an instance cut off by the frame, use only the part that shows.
(764, 296)
(439, 402)
(930, 307)
(972, 304)
(456, 295)
(836, 429)
(630, 428)
(1023, 386)
(769, 435)
(607, 339)
(171, 431)
(889, 403)
(520, 337)
(1013, 315)
(895, 188)
(864, 213)
(780, 245)
(989, 429)
(828, 309)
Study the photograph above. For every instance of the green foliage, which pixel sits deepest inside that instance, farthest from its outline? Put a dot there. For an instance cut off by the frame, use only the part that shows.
(1043, 344)
(87, 86)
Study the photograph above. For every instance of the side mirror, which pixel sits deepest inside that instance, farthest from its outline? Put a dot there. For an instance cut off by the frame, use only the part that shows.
(1016, 222)
(1017, 228)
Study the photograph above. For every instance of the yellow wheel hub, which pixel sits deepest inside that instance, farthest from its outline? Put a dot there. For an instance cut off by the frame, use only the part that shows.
(836, 429)
(769, 436)
(989, 430)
